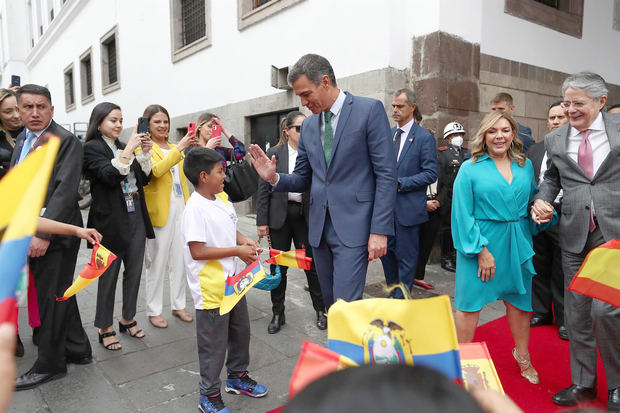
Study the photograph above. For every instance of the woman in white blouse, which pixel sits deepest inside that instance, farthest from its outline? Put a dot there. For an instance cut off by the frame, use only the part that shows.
(119, 213)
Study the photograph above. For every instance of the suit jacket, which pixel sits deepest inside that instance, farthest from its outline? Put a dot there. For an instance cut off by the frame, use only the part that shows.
(416, 169)
(61, 200)
(536, 153)
(579, 190)
(157, 192)
(525, 134)
(359, 185)
(271, 206)
(108, 211)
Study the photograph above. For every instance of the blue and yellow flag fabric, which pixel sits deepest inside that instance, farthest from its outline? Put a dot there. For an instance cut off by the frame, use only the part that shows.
(22, 191)
(383, 330)
(239, 284)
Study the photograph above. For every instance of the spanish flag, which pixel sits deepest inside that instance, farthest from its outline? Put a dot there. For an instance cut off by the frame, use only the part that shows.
(313, 363)
(384, 330)
(599, 275)
(293, 259)
(239, 284)
(22, 191)
(100, 260)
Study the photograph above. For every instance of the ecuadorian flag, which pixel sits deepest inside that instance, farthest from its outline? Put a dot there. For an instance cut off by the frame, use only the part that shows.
(599, 275)
(100, 260)
(239, 284)
(383, 330)
(22, 191)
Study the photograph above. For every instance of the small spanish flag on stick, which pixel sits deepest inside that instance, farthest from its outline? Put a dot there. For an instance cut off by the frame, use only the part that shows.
(599, 275)
(100, 260)
(294, 258)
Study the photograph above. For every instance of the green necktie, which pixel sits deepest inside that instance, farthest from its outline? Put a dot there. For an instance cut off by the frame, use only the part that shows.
(328, 139)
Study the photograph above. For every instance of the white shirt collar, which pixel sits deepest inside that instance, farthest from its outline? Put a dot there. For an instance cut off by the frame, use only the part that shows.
(406, 128)
(337, 105)
(38, 133)
(291, 151)
(598, 125)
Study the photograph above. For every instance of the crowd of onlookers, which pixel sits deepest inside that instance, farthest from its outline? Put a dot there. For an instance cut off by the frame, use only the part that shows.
(515, 220)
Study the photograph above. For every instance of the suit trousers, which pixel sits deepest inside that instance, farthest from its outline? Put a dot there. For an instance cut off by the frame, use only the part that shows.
(445, 235)
(428, 232)
(216, 334)
(61, 333)
(590, 323)
(294, 229)
(164, 256)
(341, 269)
(548, 284)
(401, 260)
(132, 259)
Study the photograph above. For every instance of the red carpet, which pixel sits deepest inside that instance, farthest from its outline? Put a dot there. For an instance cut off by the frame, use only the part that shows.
(550, 357)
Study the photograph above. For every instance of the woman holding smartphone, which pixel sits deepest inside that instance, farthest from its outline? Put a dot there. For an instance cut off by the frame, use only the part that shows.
(165, 196)
(119, 213)
(209, 130)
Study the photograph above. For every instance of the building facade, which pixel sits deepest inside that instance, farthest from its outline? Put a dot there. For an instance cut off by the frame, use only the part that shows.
(231, 57)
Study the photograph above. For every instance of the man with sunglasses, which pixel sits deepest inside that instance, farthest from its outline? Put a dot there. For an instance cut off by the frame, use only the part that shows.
(585, 164)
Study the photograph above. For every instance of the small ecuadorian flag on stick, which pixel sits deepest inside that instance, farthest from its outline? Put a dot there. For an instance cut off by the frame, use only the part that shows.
(294, 258)
(599, 275)
(100, 260)
(239, 284)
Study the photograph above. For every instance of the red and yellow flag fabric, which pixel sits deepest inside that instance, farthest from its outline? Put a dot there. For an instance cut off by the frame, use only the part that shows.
(22, 191)
(478, 368)
(599, 275)
(314, 362)
(294, 258)
(100, 260)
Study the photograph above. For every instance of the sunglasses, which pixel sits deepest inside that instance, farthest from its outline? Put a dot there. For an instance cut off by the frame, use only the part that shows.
(296, 127)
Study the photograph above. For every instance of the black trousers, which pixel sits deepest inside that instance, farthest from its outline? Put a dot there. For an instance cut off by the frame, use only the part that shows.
(428, 231)
(61, 333)
(445, 234)
(548, 284)
(296, 230)
(133, 258)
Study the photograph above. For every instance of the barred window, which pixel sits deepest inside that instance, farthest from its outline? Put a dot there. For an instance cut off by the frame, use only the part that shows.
(110, 74)
(193, 18)
(190, 27)
(86, 76)
(69, 89)
(250, 12)
(258, 3)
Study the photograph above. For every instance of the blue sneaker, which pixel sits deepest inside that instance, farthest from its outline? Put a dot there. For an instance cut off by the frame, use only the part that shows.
(245, 385)
(212, 404)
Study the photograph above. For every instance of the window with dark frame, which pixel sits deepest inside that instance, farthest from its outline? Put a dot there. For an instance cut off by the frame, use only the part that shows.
(551, 3)
(86, 76)
(193, 20)
(258, 3)
(564, 16)
(110, 75)
(69, 89)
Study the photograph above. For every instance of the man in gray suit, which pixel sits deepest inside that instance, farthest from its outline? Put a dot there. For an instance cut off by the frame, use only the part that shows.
(585, 157)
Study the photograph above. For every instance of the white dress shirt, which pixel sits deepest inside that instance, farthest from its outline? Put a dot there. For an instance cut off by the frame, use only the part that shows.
(405, 128)
(335, 109)
(292, 158)
(541, 178)
(598, 140)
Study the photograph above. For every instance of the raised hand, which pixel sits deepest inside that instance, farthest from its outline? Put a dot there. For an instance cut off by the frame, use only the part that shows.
(265, 167)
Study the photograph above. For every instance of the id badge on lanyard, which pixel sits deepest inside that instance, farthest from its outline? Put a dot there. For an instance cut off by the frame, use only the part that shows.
(178, 191)
(131, 206)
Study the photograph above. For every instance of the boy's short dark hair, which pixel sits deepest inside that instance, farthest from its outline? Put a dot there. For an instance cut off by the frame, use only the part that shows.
(198, 160)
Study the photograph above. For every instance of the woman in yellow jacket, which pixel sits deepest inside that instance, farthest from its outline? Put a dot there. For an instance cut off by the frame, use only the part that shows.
(165, 197)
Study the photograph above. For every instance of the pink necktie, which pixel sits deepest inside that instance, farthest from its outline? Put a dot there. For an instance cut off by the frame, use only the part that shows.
(585, 159)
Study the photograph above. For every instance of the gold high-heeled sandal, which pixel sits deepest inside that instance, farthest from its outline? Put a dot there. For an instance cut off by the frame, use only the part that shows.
(524, 365)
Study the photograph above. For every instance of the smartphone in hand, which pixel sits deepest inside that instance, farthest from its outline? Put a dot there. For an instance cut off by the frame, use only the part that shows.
(191, 128)
(216, 131)
(143, 124)
(15, 80)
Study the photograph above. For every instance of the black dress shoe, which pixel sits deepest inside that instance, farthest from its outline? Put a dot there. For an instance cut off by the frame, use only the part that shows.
(30, 380)
(277, 321)
(613, 402)
(321, 320)
(573, 395)
(563, 333)
(537, 321)
(19, 347)
(79, 358)
(448, 265)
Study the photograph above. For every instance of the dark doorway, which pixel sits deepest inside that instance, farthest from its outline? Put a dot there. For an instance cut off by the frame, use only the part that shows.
(265, 132)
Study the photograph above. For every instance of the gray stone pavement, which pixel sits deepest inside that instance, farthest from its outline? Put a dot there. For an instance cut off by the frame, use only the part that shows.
(160, 372)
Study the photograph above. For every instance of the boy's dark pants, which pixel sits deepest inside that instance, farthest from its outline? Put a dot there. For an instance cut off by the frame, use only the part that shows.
(217, 334)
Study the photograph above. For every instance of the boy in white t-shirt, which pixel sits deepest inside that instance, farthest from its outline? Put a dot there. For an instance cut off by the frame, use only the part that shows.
(211, 246)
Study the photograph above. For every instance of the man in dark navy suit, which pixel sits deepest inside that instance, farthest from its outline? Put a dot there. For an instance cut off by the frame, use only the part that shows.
(504, 103)
(415, 152)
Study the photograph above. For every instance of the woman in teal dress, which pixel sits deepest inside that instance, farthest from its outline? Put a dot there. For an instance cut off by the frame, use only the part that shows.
(492, 232)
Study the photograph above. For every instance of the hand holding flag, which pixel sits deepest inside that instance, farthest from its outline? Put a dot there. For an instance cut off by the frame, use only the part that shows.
(100, 260)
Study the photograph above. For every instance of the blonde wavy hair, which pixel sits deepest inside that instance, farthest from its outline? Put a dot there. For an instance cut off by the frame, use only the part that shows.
(478, 146)
(5, 93)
